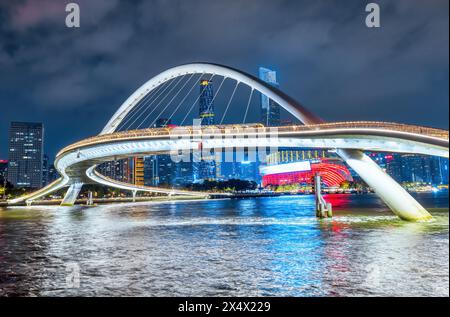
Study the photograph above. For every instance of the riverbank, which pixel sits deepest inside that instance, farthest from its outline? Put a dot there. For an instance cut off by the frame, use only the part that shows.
(105, 201)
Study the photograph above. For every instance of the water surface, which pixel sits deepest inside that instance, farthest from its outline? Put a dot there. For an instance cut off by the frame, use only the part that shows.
(247, 247)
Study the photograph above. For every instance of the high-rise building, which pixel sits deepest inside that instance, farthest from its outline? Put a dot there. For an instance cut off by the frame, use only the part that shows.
(26, 144)
(206, 169)
(206, 102)
(415, 169)
(53, 174)
(439, 170)
(394, 166)
(3, 171)
(270, 110)
(45, 166)
(159, 169)
(138, 171)
(183, 174)
(119, 170)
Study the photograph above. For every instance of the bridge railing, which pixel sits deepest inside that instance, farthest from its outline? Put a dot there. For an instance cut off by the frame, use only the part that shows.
(161, 132)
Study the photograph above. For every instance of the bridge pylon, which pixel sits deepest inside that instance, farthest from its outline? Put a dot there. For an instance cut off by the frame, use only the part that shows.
(392, 193)
(72, 194)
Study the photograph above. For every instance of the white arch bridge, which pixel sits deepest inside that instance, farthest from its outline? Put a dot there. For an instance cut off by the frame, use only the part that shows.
(77, 162)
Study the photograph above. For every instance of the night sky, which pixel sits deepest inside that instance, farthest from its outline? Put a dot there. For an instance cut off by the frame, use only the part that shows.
(73, 80)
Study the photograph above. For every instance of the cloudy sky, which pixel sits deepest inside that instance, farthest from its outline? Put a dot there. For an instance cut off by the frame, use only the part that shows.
(73, 80)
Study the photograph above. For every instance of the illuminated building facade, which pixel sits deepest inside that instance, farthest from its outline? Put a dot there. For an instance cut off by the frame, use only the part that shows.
(3, 171)
(26, 144)
(159, 170)
(206, 169)
(287, 167)
(138, 171)
(206, 102)
(332, 171)
(120, 170)
(270, 110)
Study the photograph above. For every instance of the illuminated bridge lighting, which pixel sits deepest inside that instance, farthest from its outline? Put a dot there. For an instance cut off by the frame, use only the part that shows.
(348, 140)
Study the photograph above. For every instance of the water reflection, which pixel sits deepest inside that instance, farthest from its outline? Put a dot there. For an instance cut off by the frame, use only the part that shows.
(252, 247)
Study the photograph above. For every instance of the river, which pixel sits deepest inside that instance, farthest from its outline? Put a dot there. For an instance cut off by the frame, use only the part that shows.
(241, 247)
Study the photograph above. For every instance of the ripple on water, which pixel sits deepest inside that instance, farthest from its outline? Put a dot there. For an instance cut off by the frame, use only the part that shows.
(252, 247)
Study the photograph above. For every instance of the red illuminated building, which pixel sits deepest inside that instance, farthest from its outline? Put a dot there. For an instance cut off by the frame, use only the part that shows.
(333, 173)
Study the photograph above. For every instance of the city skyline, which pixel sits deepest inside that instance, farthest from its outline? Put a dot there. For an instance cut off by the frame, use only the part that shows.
(393, 87)
(257, 149)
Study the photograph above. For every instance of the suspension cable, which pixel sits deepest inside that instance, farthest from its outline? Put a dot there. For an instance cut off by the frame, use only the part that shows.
(215, 95)
(185, 97)
(167, 85)
(248, 105)
(141, 104)
(195, 102)
(171, 100)
(229, 102)
(160, 102)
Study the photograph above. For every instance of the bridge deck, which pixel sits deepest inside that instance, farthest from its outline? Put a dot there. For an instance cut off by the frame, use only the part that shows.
(347, 127)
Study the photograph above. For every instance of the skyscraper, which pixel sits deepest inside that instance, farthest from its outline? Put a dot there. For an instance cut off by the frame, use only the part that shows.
(26, 143)
(119, 170)
(270, 110)
(3, 171)
(206, 102)
(206, 169)
(138, 171)
(159, 169)
(45, 166)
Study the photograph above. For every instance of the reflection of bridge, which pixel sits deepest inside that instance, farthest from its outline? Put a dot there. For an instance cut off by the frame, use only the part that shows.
(77, 162)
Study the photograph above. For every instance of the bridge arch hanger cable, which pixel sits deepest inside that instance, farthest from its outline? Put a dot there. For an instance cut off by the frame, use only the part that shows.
(229, 101)
(176, 82)
(171, 100)
(194, 103)
(142, 104)
(166, 86)
(286, 102)
(185, 97)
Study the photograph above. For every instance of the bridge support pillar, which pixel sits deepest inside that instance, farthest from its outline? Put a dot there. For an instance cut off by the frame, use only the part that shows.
(72, 194)
(395, 196)
(323, 209)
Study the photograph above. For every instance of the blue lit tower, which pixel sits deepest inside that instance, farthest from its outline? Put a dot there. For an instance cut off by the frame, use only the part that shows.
(26, 144)
(206, 169)
(206, 102)
(270, 110)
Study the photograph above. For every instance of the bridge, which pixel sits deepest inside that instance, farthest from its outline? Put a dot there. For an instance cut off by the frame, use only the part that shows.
(77, 162)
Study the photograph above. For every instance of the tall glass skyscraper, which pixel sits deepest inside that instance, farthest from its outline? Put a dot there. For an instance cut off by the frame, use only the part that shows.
(270, 110)
(206, 102)
(206, 169)
(26, 145)
(159, 169)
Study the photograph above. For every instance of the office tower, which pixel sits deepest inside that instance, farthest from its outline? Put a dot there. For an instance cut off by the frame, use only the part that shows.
(138, 171)
(183, 174)
(119, 170)
(270, 110)
(159, 169)
(3, 171)
(206, 169)
(439, 170)
(53, 174)
(45, 163)
(394, 166)
(26, 143)
(206, 102)
(415, 169)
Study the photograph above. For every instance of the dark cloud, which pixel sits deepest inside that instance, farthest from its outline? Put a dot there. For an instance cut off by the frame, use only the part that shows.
(74, 79)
